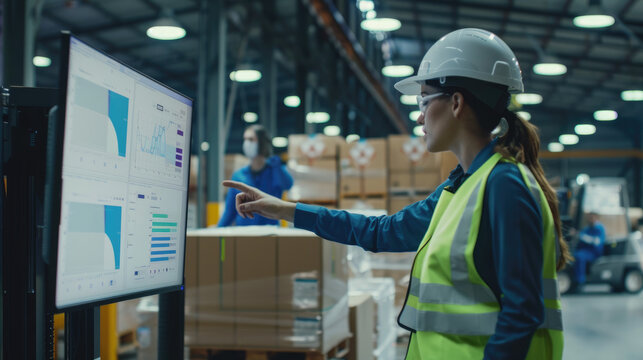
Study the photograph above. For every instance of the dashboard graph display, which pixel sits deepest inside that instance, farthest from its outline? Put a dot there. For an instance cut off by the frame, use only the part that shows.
(124, 182)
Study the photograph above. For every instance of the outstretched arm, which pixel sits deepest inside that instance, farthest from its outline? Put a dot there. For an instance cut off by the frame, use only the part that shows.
(252, 201)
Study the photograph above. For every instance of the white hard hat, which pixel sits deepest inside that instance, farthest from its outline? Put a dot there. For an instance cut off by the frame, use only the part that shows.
(470, 53)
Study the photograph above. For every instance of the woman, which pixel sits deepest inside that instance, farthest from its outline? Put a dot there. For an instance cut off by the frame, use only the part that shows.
(488, 240)
(264, 172)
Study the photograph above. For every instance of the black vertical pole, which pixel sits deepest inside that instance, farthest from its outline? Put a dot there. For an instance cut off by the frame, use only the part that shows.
(82, 334)
(171, 325)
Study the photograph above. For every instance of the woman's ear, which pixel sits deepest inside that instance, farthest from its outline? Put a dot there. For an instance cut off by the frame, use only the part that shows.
(457, 104)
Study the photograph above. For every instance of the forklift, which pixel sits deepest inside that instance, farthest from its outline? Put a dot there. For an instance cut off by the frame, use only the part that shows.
(621, 265)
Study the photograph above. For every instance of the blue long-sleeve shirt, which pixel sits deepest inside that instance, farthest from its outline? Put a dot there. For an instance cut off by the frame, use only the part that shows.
(273, 179)
(592, 238)
(508, 253)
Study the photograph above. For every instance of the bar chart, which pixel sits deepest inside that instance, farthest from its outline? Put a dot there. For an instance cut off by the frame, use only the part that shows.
(163, 246)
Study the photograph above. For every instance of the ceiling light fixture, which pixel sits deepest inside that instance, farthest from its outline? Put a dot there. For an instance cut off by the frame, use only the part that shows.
(555, 147)
(568, 139)
(366, 5)
(585, 129)
(41, 61)
(397, 70)
(594, 17)
(414, 115)
(250, 117)
(381, 24)
(417, 131)
(292, 101)
(529, 98)
(245, 75)
(166, 28)
(317, 117)
(525, 115)
(547, 65)
(409, 100)
(279, 142)
(332, 130)
(632, 95)
(352, 137)
(605, 115)
(550, 68)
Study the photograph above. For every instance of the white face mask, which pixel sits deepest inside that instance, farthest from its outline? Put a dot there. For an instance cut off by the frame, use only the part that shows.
(250, 148)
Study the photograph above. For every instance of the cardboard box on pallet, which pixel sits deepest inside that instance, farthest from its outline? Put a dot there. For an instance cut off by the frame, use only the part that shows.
(425, 181)
(363, 204)
(363, 167)
(313, 181)
(397, 203)
(215, 296)
(268, 278)
(314, 146)
(401, 146)
(191, 284)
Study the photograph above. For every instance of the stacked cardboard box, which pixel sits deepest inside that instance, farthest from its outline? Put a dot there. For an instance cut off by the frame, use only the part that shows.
(266, 287)
(313, 164)
(232, 163)
(363, 168)
(413, 172)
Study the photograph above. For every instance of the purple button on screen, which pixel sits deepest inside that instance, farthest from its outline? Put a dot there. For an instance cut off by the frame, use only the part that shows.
(180, 132)
(179, 157)
(178, 163)
(179, 150)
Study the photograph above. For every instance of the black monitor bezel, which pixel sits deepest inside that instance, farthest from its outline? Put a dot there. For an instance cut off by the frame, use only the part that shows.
(54, 186)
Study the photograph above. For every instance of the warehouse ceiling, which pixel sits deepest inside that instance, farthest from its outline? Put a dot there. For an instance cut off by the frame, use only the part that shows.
(601, 62)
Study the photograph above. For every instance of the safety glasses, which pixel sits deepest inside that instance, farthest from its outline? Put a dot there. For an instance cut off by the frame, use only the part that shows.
(424, 101)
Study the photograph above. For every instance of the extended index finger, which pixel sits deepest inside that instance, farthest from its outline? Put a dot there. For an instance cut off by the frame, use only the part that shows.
(237, 185)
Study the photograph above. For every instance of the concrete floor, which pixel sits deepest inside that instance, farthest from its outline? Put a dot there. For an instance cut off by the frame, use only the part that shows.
(602, 325)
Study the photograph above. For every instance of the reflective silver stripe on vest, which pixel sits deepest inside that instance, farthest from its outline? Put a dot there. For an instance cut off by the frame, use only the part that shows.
(467, 324)
(464, 294)
(458, 324)
(459, 267)
(535, 191)
(550, 289)
(553, 319)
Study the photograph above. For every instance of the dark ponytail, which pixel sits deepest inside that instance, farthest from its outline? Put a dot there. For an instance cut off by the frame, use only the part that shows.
(523, 144)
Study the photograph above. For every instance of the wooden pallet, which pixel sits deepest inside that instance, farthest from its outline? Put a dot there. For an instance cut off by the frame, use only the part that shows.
(338, 352)
(367, 196)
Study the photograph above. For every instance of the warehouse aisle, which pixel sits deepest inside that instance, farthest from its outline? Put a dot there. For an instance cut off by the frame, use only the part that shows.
(602, 325)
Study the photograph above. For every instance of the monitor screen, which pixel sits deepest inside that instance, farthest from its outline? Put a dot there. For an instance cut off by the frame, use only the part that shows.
(124, 181)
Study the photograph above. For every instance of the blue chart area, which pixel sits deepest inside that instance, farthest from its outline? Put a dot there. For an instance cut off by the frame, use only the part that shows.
(156, 144)
(117, 112)
(113, 230)
(100, 118)
(93, 237)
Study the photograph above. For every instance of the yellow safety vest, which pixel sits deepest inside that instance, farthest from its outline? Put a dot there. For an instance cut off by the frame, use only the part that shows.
(451, 310)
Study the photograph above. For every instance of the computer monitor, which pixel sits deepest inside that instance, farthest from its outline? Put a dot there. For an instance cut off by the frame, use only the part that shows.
(122, 209)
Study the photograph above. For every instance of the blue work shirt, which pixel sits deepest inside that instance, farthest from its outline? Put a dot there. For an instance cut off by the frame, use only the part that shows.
(508, 253)
(592, 238)
(273, 179)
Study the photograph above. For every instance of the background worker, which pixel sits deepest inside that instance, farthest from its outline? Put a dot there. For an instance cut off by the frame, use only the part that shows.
(264, 172)
(589, 248)
(488, 240)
